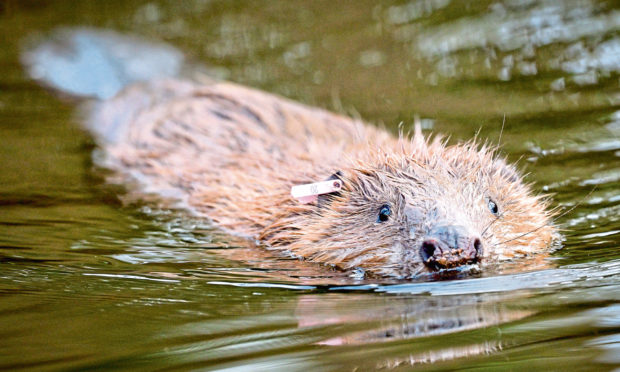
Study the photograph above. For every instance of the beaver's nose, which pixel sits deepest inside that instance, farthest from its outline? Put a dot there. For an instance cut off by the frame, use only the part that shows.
(450, 246)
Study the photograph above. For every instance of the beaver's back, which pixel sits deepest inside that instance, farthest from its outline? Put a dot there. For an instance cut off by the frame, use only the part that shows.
(223, 147)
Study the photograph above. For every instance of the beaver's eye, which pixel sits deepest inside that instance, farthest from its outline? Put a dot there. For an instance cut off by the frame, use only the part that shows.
(493, 207)
(384, 213)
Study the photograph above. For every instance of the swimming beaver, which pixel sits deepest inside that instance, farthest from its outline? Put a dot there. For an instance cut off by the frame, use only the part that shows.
(401, 206)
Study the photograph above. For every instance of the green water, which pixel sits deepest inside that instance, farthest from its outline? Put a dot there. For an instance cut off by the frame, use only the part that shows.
(90, 282)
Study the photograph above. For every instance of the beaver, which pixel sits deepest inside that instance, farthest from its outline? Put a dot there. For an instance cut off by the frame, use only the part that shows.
(402, 206)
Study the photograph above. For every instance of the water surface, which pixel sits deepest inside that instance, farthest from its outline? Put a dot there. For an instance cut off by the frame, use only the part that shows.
(91, 281)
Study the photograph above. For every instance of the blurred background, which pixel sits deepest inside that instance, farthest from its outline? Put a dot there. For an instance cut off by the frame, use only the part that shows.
(90, 282)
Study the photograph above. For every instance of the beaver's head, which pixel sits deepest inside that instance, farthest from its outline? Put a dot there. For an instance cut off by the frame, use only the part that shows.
(427, 208)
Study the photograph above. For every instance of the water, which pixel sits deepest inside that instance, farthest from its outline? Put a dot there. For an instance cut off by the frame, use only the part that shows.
(90, 280)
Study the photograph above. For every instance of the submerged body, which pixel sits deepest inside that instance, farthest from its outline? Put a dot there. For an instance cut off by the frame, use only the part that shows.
(232, 154)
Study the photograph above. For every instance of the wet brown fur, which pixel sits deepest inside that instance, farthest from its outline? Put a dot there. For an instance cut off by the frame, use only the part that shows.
(231, 154)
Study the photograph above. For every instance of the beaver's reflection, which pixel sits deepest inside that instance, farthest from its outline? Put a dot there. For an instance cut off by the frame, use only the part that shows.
(362, 319)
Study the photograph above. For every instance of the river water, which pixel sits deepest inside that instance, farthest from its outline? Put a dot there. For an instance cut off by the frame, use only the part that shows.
(90, 281)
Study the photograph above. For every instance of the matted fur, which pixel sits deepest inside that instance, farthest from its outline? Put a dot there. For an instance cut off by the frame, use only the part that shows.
(232, 153)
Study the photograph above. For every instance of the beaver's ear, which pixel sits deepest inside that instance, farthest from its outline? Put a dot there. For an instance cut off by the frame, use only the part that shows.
(335, 176)
(325, 199)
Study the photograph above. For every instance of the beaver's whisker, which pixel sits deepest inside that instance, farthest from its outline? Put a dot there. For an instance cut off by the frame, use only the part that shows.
(499, 140)
(491, 223)
(421, 269)
(524, 234)
(540, 227)
(575, 206)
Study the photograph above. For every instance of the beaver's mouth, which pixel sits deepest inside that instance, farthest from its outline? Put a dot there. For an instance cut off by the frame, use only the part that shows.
(453, 273)
(435, 266)
(437, 255)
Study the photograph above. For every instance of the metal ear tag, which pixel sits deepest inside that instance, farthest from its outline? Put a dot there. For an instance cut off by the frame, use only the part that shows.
(310, 192)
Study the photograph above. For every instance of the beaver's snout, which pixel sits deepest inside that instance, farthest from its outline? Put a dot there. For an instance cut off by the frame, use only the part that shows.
(450, 246)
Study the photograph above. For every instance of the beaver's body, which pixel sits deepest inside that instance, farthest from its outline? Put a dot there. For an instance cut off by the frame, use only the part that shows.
(232, 154)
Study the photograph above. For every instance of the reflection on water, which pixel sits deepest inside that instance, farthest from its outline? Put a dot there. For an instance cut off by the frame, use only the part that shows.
(409, 318)
(91, 278)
